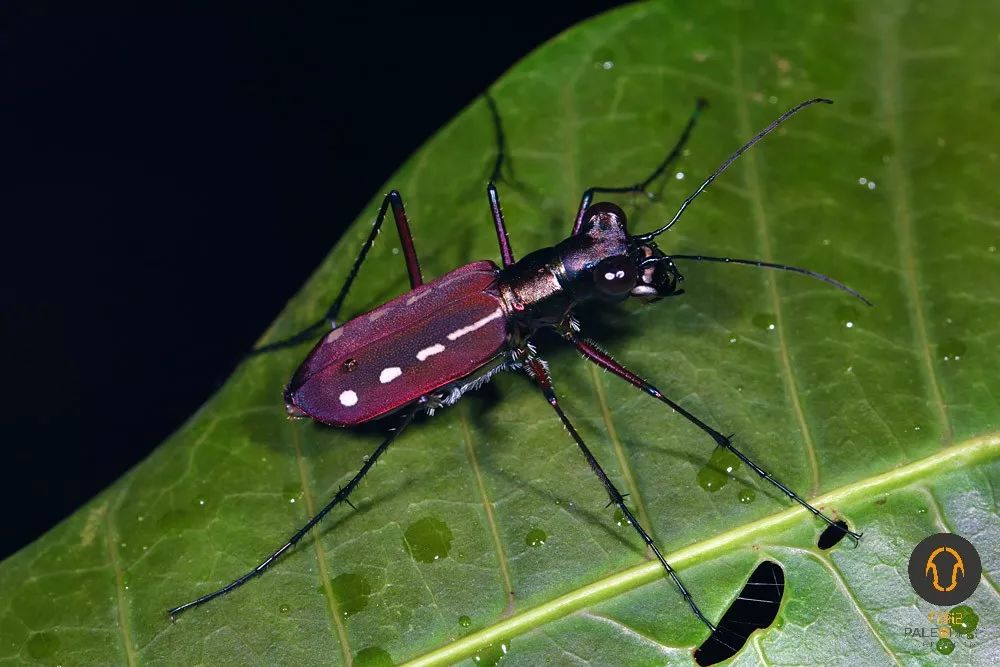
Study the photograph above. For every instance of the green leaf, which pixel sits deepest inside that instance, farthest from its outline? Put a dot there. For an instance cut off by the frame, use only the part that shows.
(889, 415)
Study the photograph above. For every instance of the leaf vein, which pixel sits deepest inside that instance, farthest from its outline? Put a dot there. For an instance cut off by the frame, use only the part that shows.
(470, 451)
(760, 218)
(331, 601)
(899, 190)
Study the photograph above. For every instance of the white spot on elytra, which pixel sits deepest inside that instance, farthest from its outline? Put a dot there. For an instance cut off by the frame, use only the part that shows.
(389, 374)
(348, 398)
(458, 333)
(417, 297)
(437, 348)
(334, 335)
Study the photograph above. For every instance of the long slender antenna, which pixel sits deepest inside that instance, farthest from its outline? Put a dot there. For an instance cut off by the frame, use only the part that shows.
(725, 165)
(769, 265)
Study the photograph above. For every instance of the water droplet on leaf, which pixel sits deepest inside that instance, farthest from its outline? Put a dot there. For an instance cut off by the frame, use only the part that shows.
(491, 654)
(964, 620)
(717, 472)
(952, 349)
(944, 646)
(428, 540)
(351, 591)
(535, 537)
(373, 656)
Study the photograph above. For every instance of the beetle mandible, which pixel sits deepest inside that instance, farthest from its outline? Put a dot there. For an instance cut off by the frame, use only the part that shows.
(422, 350)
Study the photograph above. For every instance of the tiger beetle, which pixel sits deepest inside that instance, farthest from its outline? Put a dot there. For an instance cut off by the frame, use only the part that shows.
(423, 350)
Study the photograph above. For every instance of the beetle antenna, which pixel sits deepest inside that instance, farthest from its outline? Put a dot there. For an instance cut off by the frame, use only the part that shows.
(768, 265)
(644, 238)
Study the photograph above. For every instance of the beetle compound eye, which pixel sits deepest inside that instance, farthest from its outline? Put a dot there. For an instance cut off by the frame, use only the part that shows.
(615, 276)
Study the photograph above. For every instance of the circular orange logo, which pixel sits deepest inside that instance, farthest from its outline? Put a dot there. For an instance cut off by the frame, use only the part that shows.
(945, 569)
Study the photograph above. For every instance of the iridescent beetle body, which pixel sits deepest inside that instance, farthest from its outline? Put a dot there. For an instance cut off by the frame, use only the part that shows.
(453, 333)
(422, 350)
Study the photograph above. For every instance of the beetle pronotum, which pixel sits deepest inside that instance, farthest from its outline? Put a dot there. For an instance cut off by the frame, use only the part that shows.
(422, 350)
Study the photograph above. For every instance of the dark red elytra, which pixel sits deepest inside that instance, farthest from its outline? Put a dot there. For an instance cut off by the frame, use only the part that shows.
(411, 346)
(424, 349)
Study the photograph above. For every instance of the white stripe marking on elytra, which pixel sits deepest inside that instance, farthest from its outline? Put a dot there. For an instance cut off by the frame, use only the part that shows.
(458, 333)
(436, 348)
(417, 297)
(348, 398)
(389, 374)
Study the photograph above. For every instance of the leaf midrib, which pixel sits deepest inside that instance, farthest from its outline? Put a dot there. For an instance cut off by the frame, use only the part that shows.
(981, 448)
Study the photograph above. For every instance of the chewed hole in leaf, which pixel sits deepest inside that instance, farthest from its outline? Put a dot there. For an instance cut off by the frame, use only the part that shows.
(755, 608)
(832, 535)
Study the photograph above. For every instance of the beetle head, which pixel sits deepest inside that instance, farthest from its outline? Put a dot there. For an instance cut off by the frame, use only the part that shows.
(626, 265)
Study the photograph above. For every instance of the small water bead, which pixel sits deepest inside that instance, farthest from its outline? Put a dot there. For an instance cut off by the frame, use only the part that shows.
(465, 621)
(535, 537)
(952, 349)
(604, 59)
(620, 519)
(747, 495)
(944, 646)
(492, 654)
(284, 609)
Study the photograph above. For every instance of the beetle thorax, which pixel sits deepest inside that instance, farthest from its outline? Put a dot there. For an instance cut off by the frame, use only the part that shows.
(533, 289)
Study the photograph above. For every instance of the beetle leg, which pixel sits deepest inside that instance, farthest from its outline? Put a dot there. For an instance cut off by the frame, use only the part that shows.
(506, 254)
(538, 371)
(340, 497)
(395, 200)
(592, 353)
(588, 194)
(501, 138)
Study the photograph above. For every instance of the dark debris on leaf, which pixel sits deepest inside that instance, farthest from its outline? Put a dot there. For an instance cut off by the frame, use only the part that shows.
(832, 535)
(755, 608)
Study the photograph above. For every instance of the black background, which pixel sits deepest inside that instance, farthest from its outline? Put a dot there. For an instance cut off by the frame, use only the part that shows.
(170, 176)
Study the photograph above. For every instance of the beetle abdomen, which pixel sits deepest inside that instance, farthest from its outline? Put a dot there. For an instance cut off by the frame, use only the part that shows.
(413, 345)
